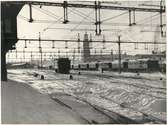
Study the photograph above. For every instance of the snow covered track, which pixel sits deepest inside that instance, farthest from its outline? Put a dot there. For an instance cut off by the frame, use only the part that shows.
(94, 113)
(140, 100)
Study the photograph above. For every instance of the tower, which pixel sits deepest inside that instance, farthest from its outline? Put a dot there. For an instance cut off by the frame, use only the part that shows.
(86, 50)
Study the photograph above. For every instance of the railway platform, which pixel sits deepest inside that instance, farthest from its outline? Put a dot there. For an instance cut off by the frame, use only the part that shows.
(21, 104)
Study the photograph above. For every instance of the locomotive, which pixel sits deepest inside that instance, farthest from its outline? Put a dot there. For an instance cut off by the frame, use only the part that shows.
(61, 65)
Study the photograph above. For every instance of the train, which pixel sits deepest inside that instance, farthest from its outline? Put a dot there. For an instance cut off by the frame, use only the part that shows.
(142, 65)
(163, 66)
(18, 65)
(60, 65)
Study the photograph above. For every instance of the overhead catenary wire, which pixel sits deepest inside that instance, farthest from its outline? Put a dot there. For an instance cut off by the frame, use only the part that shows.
(50, 12)
(108, 29)
(82, 21)
(56, 21)
(44, 12)
(110, 18)
(23, 17)
(82, 15)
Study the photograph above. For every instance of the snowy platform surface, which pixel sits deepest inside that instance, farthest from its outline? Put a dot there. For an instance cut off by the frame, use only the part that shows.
(21, 104)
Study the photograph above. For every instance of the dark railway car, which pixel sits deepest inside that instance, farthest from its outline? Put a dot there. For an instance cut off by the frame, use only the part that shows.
(151, 65)
(63, 65)
(125, 65)
(163, 66)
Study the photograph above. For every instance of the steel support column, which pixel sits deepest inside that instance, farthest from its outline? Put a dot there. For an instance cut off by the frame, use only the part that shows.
(65, 12)
(134, 18)
(119, 53)
(31, 56)
(130, 23)
(40, 48)
(31, 19)
(161, 26)
(97, 18)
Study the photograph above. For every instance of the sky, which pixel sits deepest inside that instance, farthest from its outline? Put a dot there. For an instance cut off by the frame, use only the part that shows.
(48, 21)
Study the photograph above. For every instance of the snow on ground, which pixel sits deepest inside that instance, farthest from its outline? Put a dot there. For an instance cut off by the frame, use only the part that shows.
(145, 93)
(21, 104)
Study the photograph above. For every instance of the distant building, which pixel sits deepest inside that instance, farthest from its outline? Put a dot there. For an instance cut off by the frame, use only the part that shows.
(87, 57)
(160, 56)
(86, 48)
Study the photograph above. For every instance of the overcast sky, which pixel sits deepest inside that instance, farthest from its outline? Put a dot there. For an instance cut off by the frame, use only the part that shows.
(146, 22)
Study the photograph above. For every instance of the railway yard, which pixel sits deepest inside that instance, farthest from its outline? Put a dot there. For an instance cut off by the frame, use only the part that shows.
(135, 99)
(83, 62)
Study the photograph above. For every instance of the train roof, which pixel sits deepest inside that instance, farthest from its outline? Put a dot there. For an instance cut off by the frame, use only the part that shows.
(116, 61)
(19, 64)
(147, 59)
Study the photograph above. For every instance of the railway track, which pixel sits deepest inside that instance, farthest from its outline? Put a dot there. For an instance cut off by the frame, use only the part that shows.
(142, 86)
(148, 116)
(99, 109)
(114, 117)
(67, 106)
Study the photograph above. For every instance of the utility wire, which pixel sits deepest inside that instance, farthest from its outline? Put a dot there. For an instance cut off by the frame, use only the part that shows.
(147, 18)
(23, 17)
(56, 21)
(82, 14)
(82, 20)
(48, 14)
(113, 17)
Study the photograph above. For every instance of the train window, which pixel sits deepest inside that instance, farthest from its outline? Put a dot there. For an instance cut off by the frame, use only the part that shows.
(87, 65)
(97, 65)
(140, 62)
(109, 65)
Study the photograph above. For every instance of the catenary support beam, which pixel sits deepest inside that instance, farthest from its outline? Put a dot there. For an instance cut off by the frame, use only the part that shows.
(95, 41)
(109, 7)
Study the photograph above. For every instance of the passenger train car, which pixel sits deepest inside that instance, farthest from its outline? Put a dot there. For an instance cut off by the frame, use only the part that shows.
(93, 66)
(145, 65)
(162, 65)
